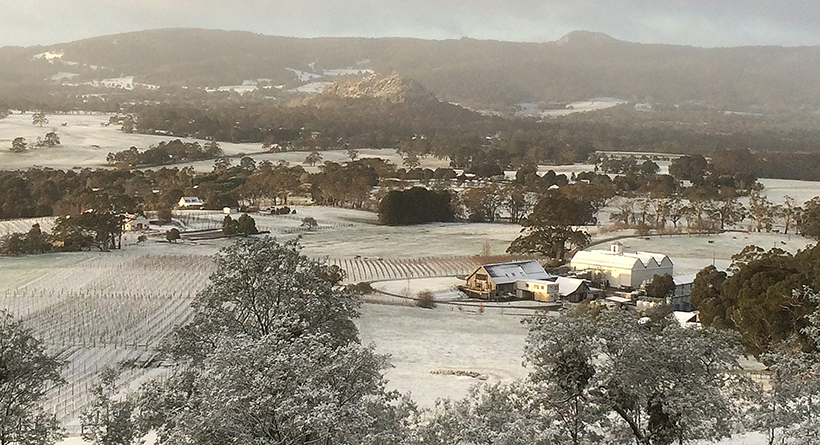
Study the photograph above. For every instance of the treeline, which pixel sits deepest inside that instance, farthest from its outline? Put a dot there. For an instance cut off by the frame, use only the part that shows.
(91, 229)
(480, 142)
(170, 152)
(416, 206)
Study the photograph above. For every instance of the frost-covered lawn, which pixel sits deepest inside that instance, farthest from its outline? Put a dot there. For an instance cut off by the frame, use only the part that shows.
(423, 341)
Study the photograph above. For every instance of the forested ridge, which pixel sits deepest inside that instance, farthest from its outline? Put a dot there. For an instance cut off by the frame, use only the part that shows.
(483, 74)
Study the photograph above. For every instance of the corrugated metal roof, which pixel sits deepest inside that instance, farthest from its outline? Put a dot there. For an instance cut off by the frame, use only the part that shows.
(504, 273)
(684, 279)
(568, 286)
(621, 260)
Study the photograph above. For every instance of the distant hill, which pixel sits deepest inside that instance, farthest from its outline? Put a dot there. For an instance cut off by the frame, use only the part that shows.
(475, 73)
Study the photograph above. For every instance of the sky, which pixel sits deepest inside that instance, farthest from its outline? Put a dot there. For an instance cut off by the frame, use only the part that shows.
(708, 23)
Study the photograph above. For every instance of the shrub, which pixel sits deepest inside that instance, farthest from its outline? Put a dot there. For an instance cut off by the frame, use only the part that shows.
(172, 235)
(363, 287)
(425, 299)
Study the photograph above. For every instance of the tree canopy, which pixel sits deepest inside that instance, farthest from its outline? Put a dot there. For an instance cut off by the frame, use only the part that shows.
(272, 356)
(757, 298)
(417, 205)
(552, 226)
(27, 371)
(600, 376)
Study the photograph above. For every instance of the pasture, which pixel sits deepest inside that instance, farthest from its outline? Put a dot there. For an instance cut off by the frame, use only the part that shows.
(85, 141)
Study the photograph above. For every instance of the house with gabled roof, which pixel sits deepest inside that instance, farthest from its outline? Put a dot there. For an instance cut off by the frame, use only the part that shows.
(190, 202)
(621, 269)
(498, 279)
(525, 280)
(134, 223)
(556, 289)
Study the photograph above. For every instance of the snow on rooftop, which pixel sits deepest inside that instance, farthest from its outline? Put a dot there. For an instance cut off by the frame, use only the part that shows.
(685, 318)
(567, 286)
(503, 273)
(620, 259)
(684, 279)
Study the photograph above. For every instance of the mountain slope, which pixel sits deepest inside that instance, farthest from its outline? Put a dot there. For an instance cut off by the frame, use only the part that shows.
(476, 73)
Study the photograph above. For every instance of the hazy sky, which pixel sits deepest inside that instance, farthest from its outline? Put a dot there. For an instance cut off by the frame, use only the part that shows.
(686, 22)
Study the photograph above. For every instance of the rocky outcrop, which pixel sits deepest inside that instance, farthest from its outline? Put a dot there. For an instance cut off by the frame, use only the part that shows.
(394, 88)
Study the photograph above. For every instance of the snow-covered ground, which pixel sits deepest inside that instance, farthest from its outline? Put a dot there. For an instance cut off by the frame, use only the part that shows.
(777, 189)
(311, 88)
(422, 341)
(84, 141)
(580, 107)
(426, 346)
(691, 253)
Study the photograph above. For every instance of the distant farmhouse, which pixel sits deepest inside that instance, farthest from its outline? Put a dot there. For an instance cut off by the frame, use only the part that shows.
(620, 269)
(135, 223)
(525, 280)
(190, 202)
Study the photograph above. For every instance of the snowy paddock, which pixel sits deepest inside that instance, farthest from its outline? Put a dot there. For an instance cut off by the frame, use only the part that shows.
(427, 345)
(86, 140)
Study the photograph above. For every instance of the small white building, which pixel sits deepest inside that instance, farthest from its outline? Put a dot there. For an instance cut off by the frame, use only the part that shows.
(540, 290)
(190, 202)
(620, 269)
(135, 223)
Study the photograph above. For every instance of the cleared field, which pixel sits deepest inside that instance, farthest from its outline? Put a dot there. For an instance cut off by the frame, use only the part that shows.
(425, 345)
(85, 142)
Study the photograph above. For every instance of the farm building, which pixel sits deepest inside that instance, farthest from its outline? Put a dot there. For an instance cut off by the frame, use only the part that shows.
(190, 202)
(683, 290)
(555, 289)
(497, 279)
(541, 290)
(525, 280)
(620, 269)
(135, 223)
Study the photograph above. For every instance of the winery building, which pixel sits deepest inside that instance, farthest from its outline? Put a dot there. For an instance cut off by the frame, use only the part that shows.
(621, 269)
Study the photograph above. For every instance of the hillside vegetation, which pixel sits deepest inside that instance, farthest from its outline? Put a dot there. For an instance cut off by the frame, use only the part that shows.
(482, 74)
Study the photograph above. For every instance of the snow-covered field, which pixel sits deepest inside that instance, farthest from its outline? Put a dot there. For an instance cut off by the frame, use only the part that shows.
(423, 341)
(582, 106)
(84, 141)
(691, 253)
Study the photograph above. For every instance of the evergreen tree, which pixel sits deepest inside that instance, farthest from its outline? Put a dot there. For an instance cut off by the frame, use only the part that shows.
(26, 373)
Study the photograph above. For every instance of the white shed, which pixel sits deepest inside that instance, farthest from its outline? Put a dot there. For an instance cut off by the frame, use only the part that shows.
(190, 202)
(622, 269)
